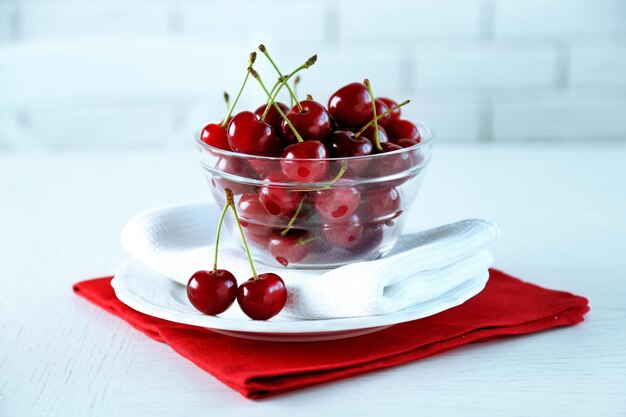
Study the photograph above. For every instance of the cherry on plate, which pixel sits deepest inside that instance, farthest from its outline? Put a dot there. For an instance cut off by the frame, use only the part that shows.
(212, 292)
(262, 298)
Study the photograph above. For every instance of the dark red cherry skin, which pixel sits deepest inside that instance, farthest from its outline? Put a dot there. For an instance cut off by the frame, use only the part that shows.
(381, 107)
(394, 116)
(252, 215)
(338, 203)
(344, 234)
(212, 292)
(262, 298)
(312, 169)
(402, 129)
(351, 105)
(381, 203)
(278, 201)
(312, 123)
(344, 144)
(247, 134)
(273, 118)
(407, 143)
(370, 132)
(370, 239)
(291, 248)
(215, 135)
(258, 240)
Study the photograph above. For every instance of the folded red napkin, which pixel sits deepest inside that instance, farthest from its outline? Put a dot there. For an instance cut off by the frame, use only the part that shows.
(507, 306)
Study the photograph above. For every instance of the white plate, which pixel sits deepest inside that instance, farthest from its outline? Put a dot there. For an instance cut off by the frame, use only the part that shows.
(146, 291)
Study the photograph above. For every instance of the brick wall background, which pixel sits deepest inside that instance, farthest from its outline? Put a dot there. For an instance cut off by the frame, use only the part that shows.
(121, 73)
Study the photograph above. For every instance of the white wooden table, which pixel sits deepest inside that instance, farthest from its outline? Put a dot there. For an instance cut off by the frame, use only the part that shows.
(563, 217)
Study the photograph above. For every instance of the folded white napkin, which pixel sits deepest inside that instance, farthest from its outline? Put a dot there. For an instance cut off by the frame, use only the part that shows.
(178, 241)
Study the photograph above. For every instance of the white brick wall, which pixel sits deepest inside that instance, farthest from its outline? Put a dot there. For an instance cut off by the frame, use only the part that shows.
(154, 71)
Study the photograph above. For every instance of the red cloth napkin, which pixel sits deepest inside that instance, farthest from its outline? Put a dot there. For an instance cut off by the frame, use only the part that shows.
(507, 306)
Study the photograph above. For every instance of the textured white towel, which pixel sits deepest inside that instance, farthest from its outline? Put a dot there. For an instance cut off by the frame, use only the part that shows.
(178, 241)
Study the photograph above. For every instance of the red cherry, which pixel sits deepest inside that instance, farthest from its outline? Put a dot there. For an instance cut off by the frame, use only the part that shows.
(214, 135)
(262, 298)
(370, 239)
(247, 134)
(381, 107)
(278, 201)
(407, 143)
(381, 203)
(338, 203)
(344, 234)
(370, 132)
(272, 118)
(212, 292)
(344, 144)
(252, 215)
(394, 116)
(312, 122)
(311, 170)
(402, 129)
(233, 166)
(291, 248)
(393, 164)
(351, 105)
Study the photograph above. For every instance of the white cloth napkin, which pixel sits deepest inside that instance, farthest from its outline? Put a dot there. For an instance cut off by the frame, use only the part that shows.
(178, 241)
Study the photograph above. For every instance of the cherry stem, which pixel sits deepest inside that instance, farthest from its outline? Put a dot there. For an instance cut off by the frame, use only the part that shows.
(263, 49)
(219, 229)
(273, 103)
(293, 218)
(344, 168)
(369, 90)
(231, 202)
(307, 240)
(309, 97)
(296, 81)
(380, 116)
(245, 80)
(306, 65)
(226, 100)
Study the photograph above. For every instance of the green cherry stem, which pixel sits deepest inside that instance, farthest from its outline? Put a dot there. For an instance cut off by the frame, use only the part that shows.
(369, 90)
(296, 81)
(245, 80)
(227, 100)
(394, 108)
(219, 230)
(263, 49)
(306, 65)
(230, 201)
(293, 218)
(256, 75)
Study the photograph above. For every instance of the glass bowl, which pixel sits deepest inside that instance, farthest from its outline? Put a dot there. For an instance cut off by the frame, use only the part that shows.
(353, 212)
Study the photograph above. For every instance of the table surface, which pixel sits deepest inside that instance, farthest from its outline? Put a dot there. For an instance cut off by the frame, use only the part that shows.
(563, 226)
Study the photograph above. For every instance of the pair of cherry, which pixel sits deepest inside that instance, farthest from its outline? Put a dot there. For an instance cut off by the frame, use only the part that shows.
(212, 292)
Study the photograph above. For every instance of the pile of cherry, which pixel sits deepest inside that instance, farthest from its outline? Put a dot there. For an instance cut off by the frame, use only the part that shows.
(294, 222)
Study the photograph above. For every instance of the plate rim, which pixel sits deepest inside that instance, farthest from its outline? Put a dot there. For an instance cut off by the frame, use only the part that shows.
(450, 299)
